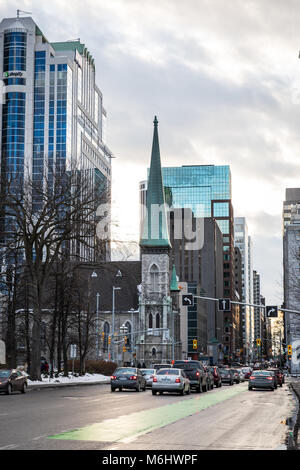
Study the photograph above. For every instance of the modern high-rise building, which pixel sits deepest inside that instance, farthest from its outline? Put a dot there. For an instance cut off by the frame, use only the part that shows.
(243, 242)
(53, 115)
(291, 256)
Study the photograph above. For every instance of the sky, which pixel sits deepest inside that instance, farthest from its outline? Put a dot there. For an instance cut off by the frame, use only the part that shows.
(223, 77)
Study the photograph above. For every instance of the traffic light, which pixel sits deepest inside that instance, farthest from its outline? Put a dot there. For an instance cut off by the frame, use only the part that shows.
(125, 340)
(124, 348)
(194, 344)
(102, 334)
(109, 339)
(289, 350)
(258, 342)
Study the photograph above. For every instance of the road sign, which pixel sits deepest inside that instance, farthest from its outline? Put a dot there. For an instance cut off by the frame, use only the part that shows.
(188, 300)
(73, 351)
(272, 312)
(224, 305)
(194, 344)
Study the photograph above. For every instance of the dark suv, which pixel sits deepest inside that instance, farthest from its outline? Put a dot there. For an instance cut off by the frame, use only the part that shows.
(194, 370)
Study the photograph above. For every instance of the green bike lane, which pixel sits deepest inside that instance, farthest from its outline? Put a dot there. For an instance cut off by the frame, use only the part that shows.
(137, 423)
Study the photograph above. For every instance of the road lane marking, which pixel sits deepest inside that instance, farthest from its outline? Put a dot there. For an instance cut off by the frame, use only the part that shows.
(10, 446)
(141, 422)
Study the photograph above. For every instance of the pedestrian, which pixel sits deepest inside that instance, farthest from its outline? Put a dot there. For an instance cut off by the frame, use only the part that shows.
(144, 365)
(139, 365)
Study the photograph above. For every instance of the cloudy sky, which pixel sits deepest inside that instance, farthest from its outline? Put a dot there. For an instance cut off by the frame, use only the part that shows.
(223, 77)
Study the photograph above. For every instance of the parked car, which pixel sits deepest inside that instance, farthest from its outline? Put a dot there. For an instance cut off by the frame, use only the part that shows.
(127, 377)
(196, 374)
(263, 379)
(209, 377)
(247, 371)
(279, 376)
(227, 376)
(12, 380)
(236, 376)
(171, 380)
(216, 376)
(148, 374)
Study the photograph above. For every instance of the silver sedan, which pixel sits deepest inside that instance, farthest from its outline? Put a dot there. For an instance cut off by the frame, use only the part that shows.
(171, 380)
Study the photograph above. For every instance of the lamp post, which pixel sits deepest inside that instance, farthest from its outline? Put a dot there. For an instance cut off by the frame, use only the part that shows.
(95, 275)
(118, 275)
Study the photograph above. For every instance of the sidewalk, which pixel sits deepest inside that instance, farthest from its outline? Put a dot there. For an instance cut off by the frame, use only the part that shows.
(88, 379)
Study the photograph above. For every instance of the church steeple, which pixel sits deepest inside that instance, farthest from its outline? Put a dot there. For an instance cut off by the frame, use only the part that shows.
(155, 229)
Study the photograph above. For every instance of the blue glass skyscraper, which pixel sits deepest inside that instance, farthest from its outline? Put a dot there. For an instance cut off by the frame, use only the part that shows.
(52, 116)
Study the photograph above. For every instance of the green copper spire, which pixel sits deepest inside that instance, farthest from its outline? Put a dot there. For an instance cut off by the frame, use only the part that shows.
(174, 284)
(155, 229)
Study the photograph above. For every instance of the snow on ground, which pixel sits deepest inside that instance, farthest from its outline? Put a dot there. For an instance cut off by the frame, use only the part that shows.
(61, 379)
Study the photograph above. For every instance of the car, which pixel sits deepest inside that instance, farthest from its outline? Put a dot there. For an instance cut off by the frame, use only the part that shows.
(247, 372)
(216, 376)
(263, 379)
(171, 380)
(236, 376)
(196, 374)
(12, 380)
(242, 375)
(209, 377)
(128, 377)
(227, 376)
(279, 376)
(148, 374)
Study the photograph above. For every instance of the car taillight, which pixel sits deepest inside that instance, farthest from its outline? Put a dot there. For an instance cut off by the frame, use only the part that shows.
(197, 373)
(113, 377)
(154, 379)
(133, 377)
(252, 377)
(177, 381)
(269, 378)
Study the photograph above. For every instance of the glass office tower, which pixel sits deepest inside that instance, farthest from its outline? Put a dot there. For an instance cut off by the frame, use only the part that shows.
(52, 116)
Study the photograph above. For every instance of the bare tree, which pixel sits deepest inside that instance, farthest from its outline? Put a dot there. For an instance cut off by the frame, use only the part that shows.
(50, 218)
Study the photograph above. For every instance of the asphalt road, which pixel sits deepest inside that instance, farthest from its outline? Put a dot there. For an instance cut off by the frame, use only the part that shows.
(91, 417)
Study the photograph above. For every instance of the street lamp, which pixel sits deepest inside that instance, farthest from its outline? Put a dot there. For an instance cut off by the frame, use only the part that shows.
(119, 276)
(95, 275)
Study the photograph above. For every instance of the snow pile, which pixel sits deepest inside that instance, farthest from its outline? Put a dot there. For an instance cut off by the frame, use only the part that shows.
(61, 379)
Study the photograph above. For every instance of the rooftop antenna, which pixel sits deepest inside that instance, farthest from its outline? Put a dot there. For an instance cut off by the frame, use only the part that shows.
(21, 11)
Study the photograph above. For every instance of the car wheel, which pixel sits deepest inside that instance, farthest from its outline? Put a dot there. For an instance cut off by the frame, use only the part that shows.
(113, 389)
(9, 389)
(24, 388)
(153, 392)
(120, 389)
(280, 385)
(181, 392)
(249, 388)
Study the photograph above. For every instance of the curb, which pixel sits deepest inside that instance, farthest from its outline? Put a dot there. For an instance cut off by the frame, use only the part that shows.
(64, 384)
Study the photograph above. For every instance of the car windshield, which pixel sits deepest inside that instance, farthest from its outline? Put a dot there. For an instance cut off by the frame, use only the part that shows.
(126, 370)
(4, 373)
(168, 372)
(262, 373)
